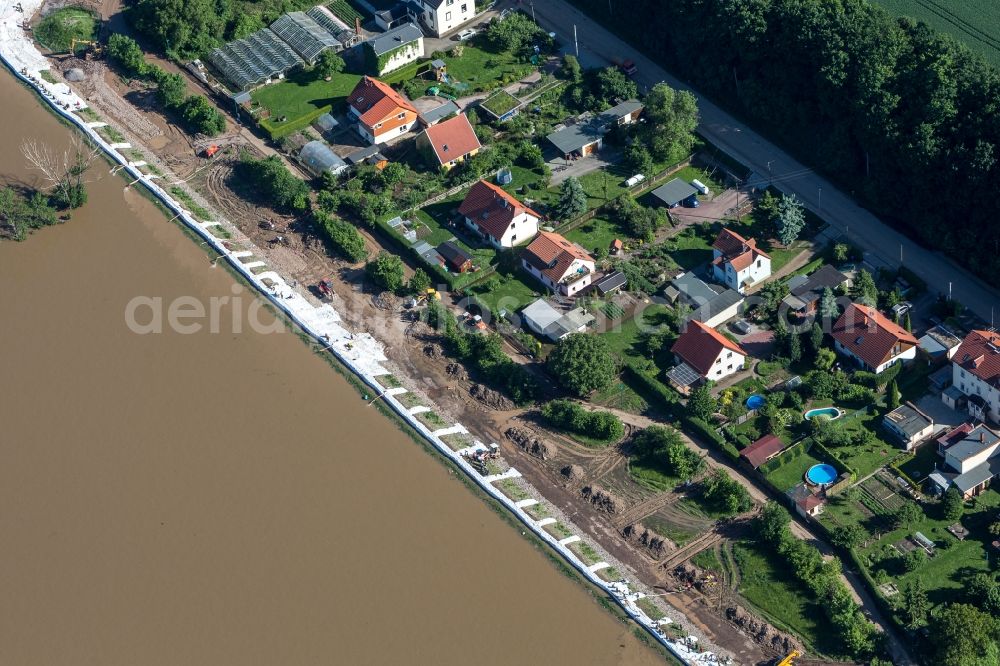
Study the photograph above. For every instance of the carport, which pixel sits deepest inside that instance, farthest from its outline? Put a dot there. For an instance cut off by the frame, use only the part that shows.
(674, 192)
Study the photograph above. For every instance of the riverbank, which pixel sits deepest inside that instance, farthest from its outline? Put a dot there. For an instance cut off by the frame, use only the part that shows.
(360, 352)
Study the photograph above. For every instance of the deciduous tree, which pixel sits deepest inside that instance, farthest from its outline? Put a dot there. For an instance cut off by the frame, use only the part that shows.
(583, 363)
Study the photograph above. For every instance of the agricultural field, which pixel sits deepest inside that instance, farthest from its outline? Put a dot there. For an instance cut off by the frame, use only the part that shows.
(57, 31)
(348, 12)
(975, 23)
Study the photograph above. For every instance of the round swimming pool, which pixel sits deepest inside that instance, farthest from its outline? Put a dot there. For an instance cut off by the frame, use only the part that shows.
(821, 475)
(756, 401)
(824, 412)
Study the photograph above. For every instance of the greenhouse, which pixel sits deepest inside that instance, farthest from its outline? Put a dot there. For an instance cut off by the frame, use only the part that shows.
(344, 33)
(254, 60)
(319, 159)
(305, 35)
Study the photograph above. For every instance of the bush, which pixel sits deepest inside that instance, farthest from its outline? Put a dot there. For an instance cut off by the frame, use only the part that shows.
(583, 364)
(570, 416)
(344, 238)
(386, 270)
(274, 183)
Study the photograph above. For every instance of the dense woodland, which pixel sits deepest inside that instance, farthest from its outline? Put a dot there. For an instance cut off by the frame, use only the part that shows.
(906, 118)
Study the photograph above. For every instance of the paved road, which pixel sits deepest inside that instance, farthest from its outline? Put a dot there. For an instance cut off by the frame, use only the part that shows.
(790, 176)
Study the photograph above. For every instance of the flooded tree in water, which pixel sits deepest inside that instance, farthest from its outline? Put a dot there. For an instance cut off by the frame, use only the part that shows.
(65, 171)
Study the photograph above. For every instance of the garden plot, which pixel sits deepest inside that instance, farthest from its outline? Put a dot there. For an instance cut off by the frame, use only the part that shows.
(881, 497)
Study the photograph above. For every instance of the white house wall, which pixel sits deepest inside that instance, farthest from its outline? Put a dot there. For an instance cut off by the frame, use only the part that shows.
(969, 384)
(405, 56)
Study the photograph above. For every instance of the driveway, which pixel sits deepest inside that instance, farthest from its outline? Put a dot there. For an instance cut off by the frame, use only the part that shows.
(792, 177)
(563, 169)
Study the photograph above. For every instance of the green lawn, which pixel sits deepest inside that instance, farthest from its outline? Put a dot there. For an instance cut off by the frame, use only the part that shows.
(625, 336)
(953, 561)
(301, 99)
(692, 248)
(782, 600)
(920, 463)
(596, 233)
(620, 396)
(57, 30)
(791, 471)
(689, 173)
(482, 69)
(515, 290)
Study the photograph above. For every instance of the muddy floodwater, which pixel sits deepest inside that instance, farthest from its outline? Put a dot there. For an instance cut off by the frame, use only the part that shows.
(228, 499)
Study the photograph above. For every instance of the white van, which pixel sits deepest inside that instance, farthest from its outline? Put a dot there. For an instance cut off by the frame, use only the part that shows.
(635, 180)
(700, 186)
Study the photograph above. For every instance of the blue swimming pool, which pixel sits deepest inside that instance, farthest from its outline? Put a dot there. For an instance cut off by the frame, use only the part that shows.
(821, 474)
(756, 401)
(826, 412)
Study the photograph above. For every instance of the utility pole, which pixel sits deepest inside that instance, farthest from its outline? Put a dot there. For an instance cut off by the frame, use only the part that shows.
(769, 179)
(819, 205)
(576, 44)
(900, 254)
(610, 11)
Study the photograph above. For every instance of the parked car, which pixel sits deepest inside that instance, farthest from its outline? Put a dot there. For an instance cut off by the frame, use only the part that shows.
(468, 33)
(741, 326)
(690, 202)
(900, 309)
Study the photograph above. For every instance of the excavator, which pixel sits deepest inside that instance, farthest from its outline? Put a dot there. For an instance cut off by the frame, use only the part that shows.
(94, 49)
(790, 658)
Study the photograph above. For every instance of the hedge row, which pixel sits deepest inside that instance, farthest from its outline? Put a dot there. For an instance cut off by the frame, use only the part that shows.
(705, 432)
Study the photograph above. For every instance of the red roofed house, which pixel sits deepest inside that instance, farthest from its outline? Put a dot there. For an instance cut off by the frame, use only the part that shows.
(450, 141)
(562, 266)
(497, 216)
(873, 340)
(382, 113)
(705, 352)
(762, 450)
(737, 262)
(976, 373)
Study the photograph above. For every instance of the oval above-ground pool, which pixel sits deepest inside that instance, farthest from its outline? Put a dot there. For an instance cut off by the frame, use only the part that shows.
(756, 401)
(826, 412)
(821, 474)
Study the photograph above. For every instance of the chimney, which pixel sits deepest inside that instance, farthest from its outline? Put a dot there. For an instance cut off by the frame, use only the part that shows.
(982, 437)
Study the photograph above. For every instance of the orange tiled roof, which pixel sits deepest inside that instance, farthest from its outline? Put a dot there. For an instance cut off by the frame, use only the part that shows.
(491, 208)
(453, 139)
(552, 255)
(700, 345)
(735, 249)
(376, 101)
(870, 335)
(979, 355)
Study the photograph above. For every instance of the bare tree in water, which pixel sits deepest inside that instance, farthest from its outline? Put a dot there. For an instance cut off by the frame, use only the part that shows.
(64, 171)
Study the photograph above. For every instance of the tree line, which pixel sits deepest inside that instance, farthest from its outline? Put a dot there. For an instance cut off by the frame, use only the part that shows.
(898, 114)
(195, 111)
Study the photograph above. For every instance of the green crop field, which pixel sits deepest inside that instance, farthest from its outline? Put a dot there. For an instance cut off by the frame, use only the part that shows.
(976, 23)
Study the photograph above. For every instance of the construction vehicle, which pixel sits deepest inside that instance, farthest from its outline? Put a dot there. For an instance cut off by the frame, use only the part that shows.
(790, 658)
(210, 151)
(93, 48)
(325, 289)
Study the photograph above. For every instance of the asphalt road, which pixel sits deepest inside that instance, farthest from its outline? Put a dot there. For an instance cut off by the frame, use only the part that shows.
(880, 242)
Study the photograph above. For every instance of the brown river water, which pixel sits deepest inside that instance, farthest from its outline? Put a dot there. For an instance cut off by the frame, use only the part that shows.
(228, 499)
